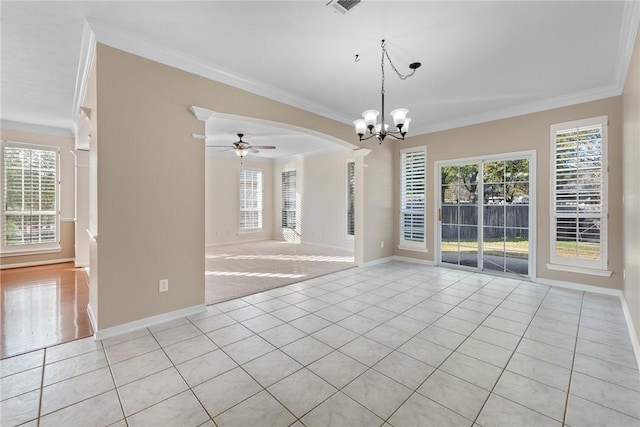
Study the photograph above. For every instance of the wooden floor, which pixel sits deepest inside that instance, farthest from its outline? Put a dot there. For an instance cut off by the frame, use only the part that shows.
(42, 306)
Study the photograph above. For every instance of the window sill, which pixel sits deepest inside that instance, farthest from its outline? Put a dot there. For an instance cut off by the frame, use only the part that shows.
(24, 252)
(580, 270)
(413, 249)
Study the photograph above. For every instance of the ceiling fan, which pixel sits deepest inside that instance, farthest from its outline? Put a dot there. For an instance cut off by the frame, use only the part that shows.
(242, 148)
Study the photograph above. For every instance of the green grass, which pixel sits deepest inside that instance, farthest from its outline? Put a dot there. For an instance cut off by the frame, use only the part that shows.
(519, 248)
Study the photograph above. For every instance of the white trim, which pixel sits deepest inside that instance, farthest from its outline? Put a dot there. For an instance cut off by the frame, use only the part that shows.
(413, 248)
(32, 251)
(67, 220)
(349, 237)
(576, 261)
(127, 41)
(377, 261)
(579, 287)
(413, 244)
(531, 156)
(204, 114)
(147, 321)
(92, 319)
(36, 263)
(594, 94)
(87, 51)
(630, 328)
(35, 128)
(629, 28)
(92, 236)
(580, 270)
(414, 260)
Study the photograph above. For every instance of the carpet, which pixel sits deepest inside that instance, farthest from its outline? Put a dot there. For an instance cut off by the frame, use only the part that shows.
(241, 269)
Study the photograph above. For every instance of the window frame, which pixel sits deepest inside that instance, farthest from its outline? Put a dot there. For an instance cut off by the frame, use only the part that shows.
(576, 263)
(350, 214)
(30, 248)
(259, 200)
(404, 244)
(285, 212)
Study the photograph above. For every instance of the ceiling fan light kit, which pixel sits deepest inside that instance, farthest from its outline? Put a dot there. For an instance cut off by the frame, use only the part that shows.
(240, 148)
(369, 120)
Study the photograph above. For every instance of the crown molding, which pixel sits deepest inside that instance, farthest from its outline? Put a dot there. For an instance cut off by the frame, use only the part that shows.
(129, 42)
(35, 128)
(628, 32)
(115, 37)
(87, 51)
(519, 110)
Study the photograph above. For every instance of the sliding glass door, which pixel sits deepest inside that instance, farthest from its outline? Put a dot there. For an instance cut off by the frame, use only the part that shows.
(459, 214)
(484, 214)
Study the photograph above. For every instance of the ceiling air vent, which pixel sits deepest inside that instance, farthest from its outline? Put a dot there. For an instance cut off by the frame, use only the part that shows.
(343, 6)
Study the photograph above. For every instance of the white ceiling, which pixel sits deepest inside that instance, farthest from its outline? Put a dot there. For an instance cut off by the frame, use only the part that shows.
(480, 60)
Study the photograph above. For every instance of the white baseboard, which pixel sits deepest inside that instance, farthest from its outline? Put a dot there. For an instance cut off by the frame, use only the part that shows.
(36, 263)
(414, 260)
(632, 331)
(377, 261)
(92, 319)
(146, 322)
(580, 287)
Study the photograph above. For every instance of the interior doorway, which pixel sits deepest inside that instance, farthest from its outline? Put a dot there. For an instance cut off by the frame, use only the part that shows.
(485, 214)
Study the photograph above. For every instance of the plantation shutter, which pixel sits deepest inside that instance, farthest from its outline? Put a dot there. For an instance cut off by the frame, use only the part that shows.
(351, 192)
(289, 200)
(250, 199)
(578, 201)
(412, 199)
(29, 205)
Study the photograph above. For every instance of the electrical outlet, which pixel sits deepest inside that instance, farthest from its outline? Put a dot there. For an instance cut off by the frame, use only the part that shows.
(382, 244)
(163, 285)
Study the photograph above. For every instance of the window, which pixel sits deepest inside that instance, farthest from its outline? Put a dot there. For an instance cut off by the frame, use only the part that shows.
(351, 194)
(289, 200)
(578, 205)
(30, 198)
(412, 198)
(250, 200)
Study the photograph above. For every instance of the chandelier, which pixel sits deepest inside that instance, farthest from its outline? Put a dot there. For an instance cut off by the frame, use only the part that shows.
(369, 119)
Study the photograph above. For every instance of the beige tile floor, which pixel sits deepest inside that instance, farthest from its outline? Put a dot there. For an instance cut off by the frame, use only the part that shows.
(395, 344)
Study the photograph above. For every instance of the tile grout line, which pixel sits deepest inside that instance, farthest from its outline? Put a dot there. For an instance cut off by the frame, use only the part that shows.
(453, 351)
(44, 359)
(491, 392)
(573, 361)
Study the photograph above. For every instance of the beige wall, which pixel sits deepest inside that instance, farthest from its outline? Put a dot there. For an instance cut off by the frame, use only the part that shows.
(67, 196)
(631, 178)
(378, 201)
(222, 194)
(151, 181)
(321, 185)
(529, 132)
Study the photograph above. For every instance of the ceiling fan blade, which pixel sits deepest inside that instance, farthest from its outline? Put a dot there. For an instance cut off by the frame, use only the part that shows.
(219, 146)
(252, 149)
(264, 147)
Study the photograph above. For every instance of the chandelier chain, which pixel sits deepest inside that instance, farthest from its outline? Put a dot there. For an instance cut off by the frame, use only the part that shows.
(400, 75)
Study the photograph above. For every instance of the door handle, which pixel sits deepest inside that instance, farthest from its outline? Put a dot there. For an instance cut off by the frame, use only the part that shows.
(440, 214)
